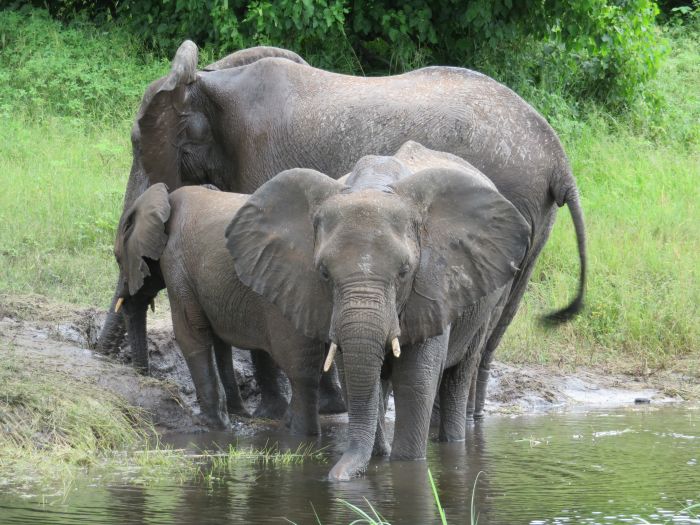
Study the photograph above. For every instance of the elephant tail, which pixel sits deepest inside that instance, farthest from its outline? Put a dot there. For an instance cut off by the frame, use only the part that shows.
(570, 197)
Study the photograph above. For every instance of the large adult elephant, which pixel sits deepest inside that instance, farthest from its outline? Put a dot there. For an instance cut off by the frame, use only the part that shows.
(238, 127)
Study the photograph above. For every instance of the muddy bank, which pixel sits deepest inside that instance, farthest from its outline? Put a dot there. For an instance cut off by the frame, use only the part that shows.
(65, 336)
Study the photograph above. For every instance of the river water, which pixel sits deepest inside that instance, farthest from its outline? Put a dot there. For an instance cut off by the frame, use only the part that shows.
(611, 466)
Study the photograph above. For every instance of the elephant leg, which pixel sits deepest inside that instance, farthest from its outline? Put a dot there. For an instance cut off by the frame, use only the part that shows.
(224, 362)
(331, 396)
(415, 378)
(502, 321)
(273, 404)
(302, 362)
(455, 386)
(381, 443)
(453, 401)
(196, 341)
(135, 308)
(112, 333)
(472, 396)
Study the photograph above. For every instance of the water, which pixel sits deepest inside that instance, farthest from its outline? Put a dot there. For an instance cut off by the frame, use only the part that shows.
(577, 467)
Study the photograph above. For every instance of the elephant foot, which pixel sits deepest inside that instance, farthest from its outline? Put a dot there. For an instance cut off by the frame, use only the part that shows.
(452, 436)
(299, 427)
(350, 465)
(237, 410)
(470, 416)
(142, 368)
(216, 422)
(381, 448)
(271, 409)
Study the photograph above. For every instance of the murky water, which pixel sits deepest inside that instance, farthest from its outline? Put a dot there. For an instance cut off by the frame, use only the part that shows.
(593, 467)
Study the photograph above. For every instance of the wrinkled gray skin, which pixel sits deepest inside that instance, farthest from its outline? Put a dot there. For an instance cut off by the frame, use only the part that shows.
(238, 127)
(426, 256)
(177, 241)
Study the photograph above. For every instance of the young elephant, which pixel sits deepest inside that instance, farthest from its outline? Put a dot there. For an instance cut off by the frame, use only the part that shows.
(177, 241)
(403, 265)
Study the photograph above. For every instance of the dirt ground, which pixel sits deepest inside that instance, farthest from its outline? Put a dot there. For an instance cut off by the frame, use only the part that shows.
(65, 336)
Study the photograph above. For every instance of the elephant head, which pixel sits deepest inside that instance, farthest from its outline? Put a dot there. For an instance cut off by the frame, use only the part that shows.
(389, 256)
(141, 236)
(176, 138)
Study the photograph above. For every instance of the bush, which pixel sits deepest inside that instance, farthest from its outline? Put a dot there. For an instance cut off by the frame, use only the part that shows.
(603, 49)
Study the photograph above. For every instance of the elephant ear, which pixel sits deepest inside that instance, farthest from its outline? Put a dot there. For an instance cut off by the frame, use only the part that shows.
(159, 119)
(142, 234)
(272, 240)
(472, 240)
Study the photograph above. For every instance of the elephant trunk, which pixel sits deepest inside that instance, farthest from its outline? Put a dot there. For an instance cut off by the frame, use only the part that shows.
(112, 333)
(362, 334)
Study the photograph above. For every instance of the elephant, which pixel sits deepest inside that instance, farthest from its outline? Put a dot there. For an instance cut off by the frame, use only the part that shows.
(399, 268)
(176, 241)
(237, 126)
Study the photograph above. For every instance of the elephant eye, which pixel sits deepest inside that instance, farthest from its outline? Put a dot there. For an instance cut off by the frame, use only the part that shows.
(403, 271)
(324, 272)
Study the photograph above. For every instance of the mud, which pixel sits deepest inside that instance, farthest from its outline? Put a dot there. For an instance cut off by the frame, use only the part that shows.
(66, 336)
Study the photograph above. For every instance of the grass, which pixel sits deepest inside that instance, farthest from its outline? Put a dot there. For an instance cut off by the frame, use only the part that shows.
(65, 157)
(56, 427)
(640, 192)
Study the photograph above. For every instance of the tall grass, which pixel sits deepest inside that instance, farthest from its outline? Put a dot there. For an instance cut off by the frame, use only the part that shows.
(65, 154)
(640, 193)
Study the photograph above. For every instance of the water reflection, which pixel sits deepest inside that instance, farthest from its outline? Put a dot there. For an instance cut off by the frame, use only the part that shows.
(548, 469)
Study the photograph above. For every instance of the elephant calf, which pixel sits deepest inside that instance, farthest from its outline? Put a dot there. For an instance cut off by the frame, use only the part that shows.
(177, 242)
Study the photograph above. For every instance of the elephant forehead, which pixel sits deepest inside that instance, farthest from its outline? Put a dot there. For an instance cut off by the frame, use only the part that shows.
(366, 209)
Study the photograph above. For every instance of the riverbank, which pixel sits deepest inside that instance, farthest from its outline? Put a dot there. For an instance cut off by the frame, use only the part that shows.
(62, 404)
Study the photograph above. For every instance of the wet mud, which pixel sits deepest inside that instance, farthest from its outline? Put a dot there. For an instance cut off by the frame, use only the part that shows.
(66, 336)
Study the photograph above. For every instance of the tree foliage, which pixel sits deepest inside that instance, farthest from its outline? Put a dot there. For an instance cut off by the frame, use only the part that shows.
(603, 49)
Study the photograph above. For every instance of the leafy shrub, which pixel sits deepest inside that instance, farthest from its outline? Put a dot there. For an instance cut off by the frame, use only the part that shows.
(602, 49)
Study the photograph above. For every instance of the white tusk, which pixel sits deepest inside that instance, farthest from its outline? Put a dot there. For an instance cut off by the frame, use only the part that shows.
(118, 305)
(153, 305)
(395, 347)
(329, 359)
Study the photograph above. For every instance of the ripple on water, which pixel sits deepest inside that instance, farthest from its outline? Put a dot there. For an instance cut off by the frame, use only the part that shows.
(596, 468)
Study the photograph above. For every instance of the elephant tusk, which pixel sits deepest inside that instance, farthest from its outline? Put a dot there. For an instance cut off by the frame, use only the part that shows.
(329, 359)
(117, 306)
(395, 347)
(153, 305)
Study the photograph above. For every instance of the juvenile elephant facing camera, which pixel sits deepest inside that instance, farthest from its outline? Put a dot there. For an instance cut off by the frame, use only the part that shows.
(397, 268)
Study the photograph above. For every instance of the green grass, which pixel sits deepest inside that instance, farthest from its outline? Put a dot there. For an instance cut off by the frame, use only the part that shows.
(54, 425)
(65, 157)
(56, 428)
(62, 190)
(640, 194)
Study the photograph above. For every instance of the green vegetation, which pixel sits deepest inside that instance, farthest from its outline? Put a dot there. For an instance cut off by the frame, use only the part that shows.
(638, 174)
(599, 48)
(56, 427)
(65, 114)
(53, 425)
